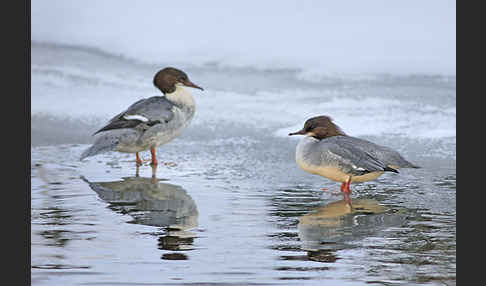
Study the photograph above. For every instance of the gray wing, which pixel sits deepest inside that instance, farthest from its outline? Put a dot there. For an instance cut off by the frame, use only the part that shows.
(355, 161)
(148, 111)
(385, 154)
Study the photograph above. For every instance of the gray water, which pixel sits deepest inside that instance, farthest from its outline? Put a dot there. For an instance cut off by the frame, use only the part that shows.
(228, 204)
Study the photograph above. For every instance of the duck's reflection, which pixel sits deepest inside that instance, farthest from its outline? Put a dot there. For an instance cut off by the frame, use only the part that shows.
(334, 226)
(154, 203)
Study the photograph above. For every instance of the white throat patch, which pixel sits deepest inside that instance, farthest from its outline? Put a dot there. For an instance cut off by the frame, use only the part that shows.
(181, 95)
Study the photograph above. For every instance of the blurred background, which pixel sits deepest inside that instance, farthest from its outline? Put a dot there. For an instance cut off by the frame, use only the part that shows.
(285, 50)
(321, 37)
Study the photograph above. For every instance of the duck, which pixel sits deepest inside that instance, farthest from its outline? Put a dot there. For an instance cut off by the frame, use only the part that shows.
(327, 151)
(149, 122)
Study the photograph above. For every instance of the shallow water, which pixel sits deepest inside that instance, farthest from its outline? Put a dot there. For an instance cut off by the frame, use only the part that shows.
(228, 205)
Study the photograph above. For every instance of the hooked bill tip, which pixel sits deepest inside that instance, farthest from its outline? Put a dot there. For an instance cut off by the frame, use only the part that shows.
(300, 132)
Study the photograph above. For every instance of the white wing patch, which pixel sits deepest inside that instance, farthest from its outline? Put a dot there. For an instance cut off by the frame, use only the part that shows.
(136, 117)
(358, 168)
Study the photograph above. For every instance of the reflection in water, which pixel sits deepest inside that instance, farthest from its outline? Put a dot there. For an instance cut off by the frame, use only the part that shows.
(310, 232)
(374, 243)
(151, 202)
(55, 219)
(333, 226)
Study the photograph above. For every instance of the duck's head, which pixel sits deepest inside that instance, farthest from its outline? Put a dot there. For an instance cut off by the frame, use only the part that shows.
(167, 79)
(319, 127)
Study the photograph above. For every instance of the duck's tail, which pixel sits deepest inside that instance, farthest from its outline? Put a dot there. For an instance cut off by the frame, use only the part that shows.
(407, 164)
(414, 166)
(403, 164)
(102, 144)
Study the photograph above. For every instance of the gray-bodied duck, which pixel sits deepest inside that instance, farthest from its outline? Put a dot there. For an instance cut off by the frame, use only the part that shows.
(327, 151)
(149, 122)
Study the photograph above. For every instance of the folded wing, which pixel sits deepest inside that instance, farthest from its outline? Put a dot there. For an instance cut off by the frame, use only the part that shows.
(149, 111)
(356, 161)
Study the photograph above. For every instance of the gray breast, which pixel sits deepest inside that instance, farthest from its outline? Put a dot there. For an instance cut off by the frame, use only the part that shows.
(165, 132)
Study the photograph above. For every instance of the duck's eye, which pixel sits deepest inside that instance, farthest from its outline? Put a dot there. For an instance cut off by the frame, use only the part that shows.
(182, 79)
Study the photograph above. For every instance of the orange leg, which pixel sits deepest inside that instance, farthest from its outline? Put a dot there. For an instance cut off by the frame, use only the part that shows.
(154, 157)
(346, 191)
(139, 162)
